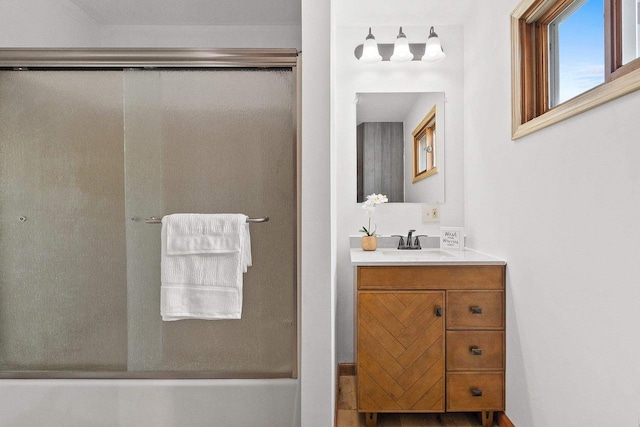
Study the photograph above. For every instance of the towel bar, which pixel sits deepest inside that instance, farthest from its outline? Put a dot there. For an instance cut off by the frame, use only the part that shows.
(154, 220)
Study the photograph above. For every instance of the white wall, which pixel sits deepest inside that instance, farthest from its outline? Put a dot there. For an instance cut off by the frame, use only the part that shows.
(407, 13)
(318, 282)
(563, 207)
(60, 23)
(352, 77)
(246, 36)
(37, 23)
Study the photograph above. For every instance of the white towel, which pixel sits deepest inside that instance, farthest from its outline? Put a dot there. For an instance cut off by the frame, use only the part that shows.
(203, 258)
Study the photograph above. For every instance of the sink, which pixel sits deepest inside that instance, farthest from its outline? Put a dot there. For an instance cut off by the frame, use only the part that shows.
(420, 253)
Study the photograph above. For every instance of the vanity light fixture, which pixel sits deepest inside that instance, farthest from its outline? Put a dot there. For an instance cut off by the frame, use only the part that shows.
(401, 51)
(433, 51)
(370, 52)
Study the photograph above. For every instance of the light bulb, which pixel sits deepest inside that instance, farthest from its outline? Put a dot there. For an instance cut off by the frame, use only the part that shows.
(433, 51)
(401, 51)
(370, 53)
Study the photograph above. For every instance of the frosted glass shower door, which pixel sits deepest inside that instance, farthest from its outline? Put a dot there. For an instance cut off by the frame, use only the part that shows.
(63, 284)
(215, 141)
(85, 157)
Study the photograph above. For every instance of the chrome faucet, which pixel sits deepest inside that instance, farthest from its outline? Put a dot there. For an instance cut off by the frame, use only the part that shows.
(409, 237)
(412, 242)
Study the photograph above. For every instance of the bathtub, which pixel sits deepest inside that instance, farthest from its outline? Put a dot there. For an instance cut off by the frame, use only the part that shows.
(152, 403)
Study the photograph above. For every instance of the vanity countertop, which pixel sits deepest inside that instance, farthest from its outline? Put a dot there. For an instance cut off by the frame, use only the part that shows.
(387, 256)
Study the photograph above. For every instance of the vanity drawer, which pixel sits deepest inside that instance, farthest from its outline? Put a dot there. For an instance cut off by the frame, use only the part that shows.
(475, 350)
(431, 277)
(475, 309)
(475, 391)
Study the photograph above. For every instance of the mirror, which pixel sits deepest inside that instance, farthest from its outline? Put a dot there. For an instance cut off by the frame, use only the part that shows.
(400, 146)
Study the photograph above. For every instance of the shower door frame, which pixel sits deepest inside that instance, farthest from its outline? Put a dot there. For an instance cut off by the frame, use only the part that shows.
(60, 59)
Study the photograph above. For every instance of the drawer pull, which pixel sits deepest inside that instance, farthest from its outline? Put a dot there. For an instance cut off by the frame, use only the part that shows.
(475, 392)
(439, 311)
(476, 351)
(476, 310)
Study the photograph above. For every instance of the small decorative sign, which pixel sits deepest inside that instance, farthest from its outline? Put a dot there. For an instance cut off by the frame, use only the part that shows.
(451, 237)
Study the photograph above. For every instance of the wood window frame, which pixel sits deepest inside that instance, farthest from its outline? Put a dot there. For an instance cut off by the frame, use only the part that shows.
(530, 66)
(426, 127)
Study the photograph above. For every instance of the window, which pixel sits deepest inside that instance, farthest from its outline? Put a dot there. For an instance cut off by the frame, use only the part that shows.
(424, 147)
(571, 56)
(576, 50)
(630, 19)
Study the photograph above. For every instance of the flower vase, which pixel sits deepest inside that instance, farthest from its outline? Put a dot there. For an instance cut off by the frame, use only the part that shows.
(369, 243)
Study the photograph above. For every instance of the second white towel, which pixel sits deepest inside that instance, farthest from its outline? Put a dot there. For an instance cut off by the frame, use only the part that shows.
(203, 260)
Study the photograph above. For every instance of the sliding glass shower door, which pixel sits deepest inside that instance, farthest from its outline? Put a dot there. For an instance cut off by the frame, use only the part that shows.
(86, 157)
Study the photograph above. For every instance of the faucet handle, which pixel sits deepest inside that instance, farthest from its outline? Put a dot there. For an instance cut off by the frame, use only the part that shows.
(401, 241)
(416, 242)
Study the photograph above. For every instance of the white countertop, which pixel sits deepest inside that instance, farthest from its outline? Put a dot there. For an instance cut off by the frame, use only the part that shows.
(387, 256)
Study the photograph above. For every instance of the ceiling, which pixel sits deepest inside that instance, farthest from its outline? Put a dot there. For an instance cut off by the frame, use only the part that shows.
(192, 12)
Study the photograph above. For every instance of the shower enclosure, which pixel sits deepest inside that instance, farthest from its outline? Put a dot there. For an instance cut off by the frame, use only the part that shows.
(92, 144)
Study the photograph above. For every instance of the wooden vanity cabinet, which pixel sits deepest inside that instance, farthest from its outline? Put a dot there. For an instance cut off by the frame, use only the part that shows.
(430, 339)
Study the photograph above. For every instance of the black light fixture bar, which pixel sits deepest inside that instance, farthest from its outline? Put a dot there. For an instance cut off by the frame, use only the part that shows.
(386, 50)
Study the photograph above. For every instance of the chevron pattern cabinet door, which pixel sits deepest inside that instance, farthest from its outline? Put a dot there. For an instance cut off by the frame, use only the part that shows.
(400, 345)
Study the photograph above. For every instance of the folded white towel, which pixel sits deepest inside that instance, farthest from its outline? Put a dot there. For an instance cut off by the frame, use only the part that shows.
(203, 258)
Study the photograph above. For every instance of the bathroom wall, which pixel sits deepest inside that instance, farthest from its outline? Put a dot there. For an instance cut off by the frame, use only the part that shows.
(562, 206)
(60, 23)
(41, 23)
(352, 77)
(317, 317)
(239, 36)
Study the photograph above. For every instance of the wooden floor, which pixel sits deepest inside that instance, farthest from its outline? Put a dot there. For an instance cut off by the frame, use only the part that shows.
(348, 415)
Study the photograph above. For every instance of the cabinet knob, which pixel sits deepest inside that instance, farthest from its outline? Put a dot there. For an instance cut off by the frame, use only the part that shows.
(439, 311)
(476, 392)
(475, 351)
(476, 310)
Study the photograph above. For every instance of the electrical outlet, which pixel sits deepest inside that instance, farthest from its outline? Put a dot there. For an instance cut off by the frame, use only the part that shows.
(430, 213)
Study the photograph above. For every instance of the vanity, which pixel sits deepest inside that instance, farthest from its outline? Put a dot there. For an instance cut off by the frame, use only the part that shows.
(430, 332)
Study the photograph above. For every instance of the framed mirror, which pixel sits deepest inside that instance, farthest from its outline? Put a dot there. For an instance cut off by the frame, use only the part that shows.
(400, 146)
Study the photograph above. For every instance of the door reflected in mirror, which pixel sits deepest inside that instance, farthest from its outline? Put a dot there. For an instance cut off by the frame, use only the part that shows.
(400, 146)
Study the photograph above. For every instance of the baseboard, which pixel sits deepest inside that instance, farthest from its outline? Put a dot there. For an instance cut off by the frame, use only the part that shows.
(346, 369)
(503, 420)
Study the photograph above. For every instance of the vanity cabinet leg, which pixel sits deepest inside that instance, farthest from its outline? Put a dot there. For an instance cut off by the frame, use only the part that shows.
(487, 418)
(371, 418)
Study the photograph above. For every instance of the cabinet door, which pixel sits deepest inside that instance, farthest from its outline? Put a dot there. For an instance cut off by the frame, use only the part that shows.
(400, 351)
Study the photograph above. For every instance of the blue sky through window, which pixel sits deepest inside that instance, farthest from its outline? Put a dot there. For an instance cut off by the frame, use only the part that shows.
(581, 44)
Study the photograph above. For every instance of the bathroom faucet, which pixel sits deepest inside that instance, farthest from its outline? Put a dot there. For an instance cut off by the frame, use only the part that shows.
(412, 242)
(409, 237)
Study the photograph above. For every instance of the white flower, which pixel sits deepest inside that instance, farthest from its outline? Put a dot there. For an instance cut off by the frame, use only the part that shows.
(370, 206)
(376, 199)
